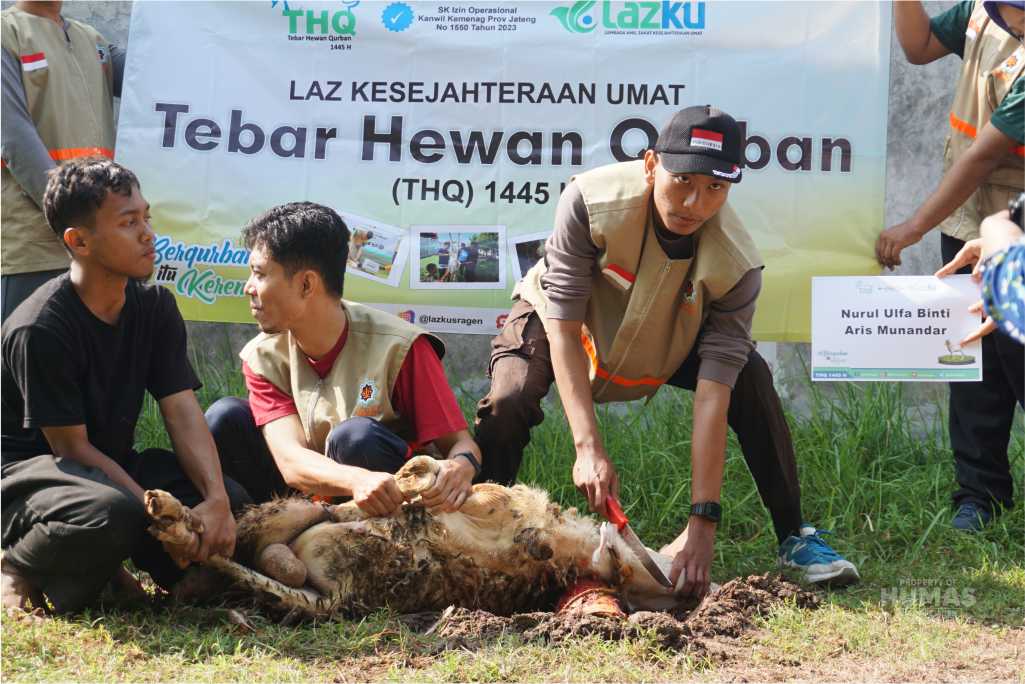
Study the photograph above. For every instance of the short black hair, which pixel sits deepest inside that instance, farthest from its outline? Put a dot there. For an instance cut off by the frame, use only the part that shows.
(303, 235)
(75, 191)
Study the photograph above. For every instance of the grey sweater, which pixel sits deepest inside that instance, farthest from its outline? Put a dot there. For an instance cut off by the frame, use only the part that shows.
(724, 342)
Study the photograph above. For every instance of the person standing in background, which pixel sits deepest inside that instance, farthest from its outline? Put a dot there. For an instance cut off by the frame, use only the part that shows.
(984, 165)
(59, 80)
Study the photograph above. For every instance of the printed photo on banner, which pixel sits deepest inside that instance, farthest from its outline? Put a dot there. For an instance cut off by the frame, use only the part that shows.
(457, 257)
(375, 250)
(527, 250)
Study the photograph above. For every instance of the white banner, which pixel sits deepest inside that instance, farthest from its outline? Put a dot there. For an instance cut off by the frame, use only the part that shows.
(444, 133)
(889, 328)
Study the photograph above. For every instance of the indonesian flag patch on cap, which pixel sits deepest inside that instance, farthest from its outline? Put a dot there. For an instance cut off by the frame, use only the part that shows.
(33, 61)
(699, 137)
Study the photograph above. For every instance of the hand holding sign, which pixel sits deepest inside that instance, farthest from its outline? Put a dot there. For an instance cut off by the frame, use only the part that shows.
(970, 255)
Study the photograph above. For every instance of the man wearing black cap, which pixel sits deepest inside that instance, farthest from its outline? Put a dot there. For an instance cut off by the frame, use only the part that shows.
(649, 278)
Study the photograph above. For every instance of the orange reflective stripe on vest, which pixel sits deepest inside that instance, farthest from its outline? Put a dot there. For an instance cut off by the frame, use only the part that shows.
(74, 153)
(962, 126)
(600, 372)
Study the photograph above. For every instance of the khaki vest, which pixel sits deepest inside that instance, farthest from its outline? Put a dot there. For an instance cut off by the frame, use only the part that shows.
(645, 309)
(993, 60)
(360, 382)
(69, 88)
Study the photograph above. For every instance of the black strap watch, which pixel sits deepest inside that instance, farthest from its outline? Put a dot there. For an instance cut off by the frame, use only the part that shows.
(473, 461)
(709, 510)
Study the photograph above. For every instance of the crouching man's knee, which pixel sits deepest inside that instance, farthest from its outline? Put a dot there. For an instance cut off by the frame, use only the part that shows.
(228, 414)
(366, 443)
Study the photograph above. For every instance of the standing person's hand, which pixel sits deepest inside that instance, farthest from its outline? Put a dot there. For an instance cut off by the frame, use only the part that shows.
(596, 478)
(894, 240)
(969, 255)
(694, 559)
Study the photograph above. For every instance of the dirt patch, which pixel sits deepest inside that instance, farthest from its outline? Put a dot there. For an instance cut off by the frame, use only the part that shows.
(726, 613)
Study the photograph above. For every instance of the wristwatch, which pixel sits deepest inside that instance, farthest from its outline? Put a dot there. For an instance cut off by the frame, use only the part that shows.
(473, 461)
(709, 510)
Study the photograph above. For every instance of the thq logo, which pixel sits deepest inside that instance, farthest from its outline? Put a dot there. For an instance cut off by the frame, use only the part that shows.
(323, 22)
(631, 16)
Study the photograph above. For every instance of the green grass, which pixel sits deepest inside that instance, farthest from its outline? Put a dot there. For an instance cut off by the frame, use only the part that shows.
(873, 470)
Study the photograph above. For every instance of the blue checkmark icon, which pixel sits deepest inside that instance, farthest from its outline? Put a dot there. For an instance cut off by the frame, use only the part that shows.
(397, 16)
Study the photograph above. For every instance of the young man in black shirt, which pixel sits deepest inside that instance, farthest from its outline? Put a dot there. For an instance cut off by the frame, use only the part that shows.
(78, 356)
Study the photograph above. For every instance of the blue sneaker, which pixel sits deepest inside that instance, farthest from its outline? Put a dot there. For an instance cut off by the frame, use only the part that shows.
(816, 559)
(971, 517)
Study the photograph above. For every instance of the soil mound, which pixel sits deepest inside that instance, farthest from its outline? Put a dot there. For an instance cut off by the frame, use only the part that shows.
(727, 612)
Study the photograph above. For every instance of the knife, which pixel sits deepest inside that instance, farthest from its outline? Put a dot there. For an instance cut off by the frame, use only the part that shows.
(622, 523)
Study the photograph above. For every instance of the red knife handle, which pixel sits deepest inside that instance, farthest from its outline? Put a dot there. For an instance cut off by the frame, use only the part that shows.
(615, 511)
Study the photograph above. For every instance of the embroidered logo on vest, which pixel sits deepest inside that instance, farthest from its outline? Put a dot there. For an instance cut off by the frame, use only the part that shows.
(367, 405)
(1007, 69)
(689, 297)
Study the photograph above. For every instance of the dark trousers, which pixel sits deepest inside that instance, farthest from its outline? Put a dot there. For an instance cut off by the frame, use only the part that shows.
(521, 375)
(359, 441)
(14, 289)
(69, 527)
(982, 413)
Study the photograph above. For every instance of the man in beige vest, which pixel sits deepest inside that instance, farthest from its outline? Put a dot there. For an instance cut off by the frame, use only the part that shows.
(340, 394)
(984, 165)
(59, 80)
(649, 278)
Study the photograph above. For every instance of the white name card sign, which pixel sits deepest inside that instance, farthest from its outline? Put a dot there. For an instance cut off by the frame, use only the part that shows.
(894, 328)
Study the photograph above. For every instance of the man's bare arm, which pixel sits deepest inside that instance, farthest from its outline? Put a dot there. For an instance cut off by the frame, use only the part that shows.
(708, 442)
(708, 456)
(966, 175)
(194, 446)
(193, 443)
(314, 473)
(593, 473)
(72, 441)
(914, 34)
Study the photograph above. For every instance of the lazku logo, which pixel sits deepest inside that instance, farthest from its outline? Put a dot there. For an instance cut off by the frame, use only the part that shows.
(633, 16)
(576, 19)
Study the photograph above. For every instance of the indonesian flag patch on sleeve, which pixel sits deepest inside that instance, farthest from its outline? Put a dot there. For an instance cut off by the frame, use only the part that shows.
(33, 61)
(619, 275)
(699, 137)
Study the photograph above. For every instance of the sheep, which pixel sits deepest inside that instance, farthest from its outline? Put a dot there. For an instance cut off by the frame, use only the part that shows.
(506, 550)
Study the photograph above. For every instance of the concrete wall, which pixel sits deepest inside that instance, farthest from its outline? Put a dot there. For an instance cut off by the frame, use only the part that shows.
(919, 103)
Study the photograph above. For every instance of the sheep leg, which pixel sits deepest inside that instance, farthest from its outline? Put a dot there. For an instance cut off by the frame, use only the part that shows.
(175, 525)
